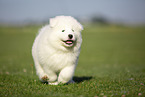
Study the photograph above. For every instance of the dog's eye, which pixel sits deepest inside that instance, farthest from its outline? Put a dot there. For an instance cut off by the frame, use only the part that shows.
(72, 30)
(63, 30)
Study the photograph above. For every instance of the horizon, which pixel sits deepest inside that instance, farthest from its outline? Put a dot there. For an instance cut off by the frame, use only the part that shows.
(123, 11)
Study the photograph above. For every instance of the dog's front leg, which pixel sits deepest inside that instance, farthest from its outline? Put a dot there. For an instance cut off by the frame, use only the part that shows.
(66, 74)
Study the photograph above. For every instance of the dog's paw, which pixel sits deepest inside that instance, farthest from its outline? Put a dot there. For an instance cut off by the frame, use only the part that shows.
(53, 83)
(44, 78)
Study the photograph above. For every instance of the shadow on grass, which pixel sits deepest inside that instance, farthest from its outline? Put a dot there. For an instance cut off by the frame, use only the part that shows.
(77, 79)
(81, 79)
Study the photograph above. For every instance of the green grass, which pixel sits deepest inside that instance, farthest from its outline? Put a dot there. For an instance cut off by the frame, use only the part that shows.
(111, 63)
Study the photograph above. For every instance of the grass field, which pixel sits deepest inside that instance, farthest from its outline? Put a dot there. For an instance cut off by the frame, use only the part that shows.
(111, 63)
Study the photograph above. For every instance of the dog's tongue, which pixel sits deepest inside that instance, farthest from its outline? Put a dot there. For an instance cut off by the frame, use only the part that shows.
(69, 42)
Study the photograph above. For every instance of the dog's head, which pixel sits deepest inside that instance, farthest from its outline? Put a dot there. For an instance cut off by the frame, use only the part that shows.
(67, 31)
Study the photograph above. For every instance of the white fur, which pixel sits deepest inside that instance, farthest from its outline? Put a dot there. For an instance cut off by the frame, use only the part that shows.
(53, 58)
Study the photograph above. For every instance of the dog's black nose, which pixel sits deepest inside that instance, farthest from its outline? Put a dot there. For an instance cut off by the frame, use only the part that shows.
(70, 36)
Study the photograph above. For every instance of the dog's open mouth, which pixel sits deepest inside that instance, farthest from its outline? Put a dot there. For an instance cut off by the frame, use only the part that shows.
(69, 42)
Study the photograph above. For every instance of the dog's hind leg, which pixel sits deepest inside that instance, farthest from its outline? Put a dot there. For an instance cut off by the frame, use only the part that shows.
(52, 76)
(40, 72)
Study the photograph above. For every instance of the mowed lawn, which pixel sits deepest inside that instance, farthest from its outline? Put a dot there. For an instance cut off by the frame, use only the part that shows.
(111, 64)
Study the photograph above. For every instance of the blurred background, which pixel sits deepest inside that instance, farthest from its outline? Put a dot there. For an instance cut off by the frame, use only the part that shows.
(130, 12)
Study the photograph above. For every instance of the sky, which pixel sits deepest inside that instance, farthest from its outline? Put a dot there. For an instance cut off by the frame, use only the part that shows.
(127, 11)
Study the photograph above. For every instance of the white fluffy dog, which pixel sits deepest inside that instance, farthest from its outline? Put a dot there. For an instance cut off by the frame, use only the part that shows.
(56, 50)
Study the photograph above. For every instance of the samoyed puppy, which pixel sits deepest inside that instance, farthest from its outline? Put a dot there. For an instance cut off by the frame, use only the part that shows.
(56, 50)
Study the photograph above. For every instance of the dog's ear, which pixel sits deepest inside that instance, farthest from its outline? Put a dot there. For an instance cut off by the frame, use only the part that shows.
(52, 22)
(80, 27)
